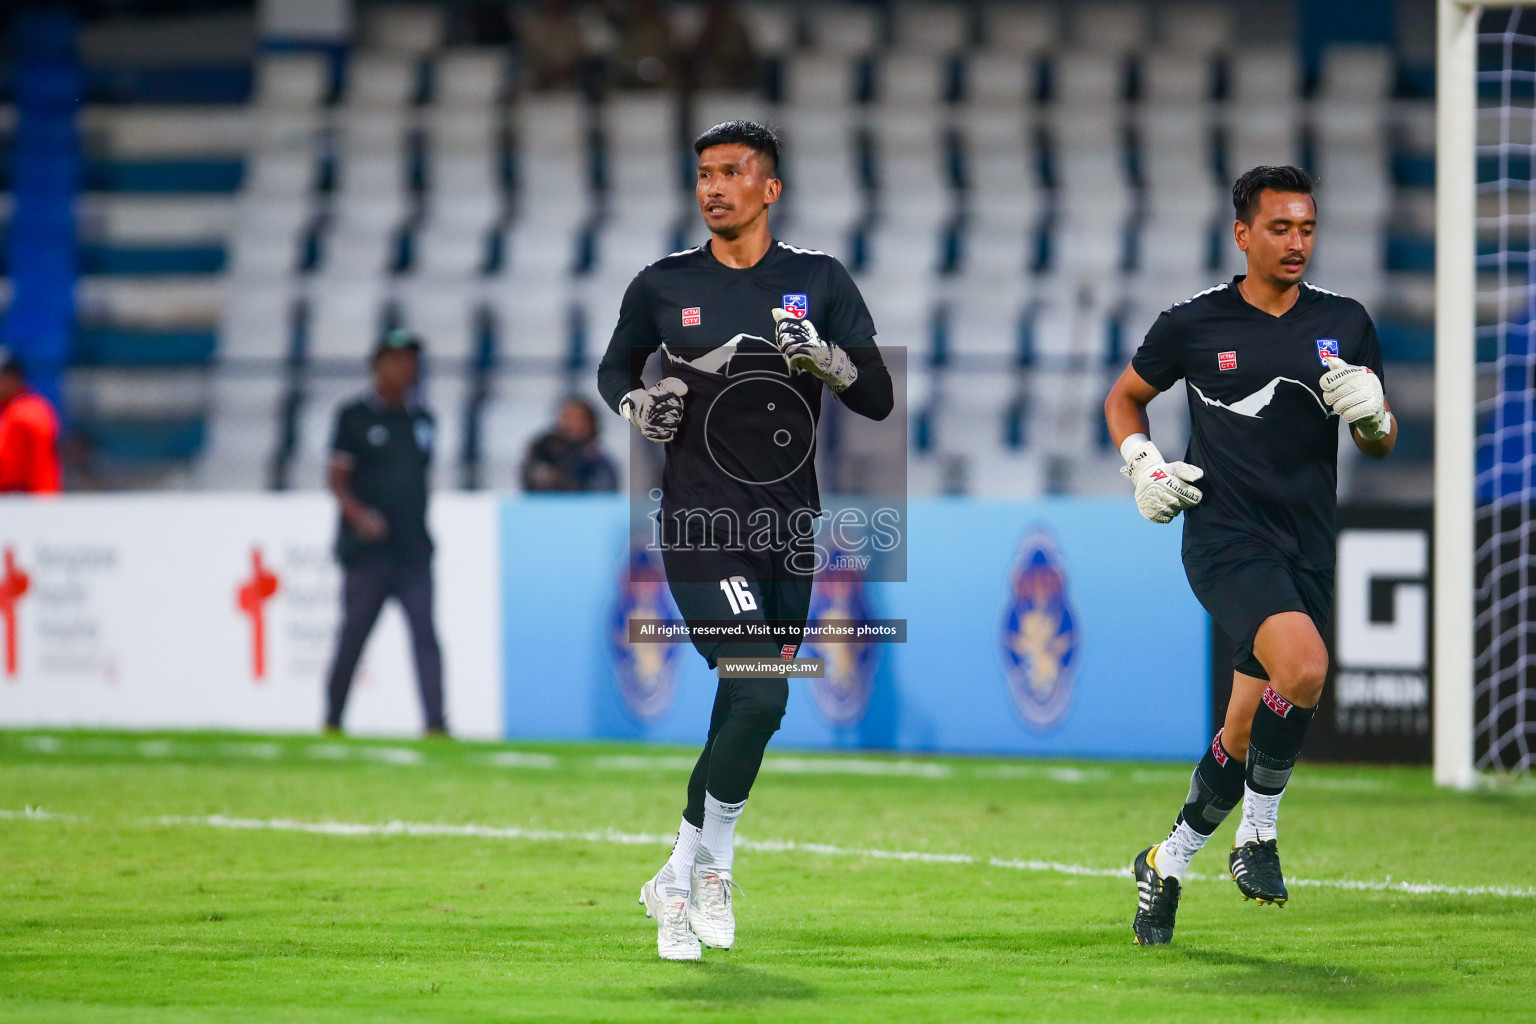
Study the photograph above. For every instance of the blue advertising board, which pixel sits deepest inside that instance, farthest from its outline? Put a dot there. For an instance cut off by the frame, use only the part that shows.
(1060, 627)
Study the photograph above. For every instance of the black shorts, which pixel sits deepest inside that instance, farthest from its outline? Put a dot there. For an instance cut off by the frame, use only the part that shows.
(698, 581)
(1243, 582)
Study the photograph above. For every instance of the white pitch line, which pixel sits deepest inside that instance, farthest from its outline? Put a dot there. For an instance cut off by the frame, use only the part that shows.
(613, 836)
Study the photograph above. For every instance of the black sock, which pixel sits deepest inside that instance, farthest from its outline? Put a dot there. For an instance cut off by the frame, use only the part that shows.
(1214, 789)
(1279, 730)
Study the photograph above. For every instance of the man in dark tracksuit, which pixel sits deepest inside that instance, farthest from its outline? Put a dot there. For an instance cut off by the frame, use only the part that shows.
(381, 449)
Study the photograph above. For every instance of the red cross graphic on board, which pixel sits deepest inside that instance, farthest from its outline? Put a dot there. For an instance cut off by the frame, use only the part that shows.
(252, 598)
(13, 584)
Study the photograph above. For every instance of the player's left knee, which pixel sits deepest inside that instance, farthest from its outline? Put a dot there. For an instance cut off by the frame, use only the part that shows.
(1301, 678)
(762, 705)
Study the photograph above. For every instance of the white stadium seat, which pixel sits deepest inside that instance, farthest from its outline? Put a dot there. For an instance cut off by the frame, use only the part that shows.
(1019, 27)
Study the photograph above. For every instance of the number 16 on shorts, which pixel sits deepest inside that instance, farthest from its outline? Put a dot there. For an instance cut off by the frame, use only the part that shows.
(736, 592)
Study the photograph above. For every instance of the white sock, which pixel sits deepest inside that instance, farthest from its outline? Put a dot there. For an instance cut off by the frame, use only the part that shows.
(1174, 853)
(717, 850)
(1260, 812)
(673, 876)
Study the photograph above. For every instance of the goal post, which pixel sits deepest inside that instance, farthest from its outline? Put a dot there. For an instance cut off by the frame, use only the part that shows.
(1485, 419)
(1455, 499)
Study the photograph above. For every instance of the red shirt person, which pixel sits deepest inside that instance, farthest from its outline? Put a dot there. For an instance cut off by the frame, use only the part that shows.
(29, 434)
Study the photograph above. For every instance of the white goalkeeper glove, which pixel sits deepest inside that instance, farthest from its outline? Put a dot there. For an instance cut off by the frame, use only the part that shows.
(656, 410)
(804, 350)
(1163, 489)
(1355, 394)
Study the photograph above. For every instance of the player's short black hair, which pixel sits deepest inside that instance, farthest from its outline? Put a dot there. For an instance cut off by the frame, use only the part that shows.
(1247, 189)
(757, 137)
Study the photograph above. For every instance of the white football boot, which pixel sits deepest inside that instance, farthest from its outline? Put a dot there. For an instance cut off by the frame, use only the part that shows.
(709, 912)
(674, 940)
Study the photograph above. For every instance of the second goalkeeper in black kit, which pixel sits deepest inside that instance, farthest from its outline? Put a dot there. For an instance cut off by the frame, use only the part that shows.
(749, 329)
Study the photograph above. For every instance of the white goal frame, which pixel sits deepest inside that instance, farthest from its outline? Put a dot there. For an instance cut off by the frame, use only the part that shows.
(1455, 526)
(1455, 520)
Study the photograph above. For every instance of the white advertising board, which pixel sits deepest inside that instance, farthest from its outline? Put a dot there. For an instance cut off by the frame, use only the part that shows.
(220, 612)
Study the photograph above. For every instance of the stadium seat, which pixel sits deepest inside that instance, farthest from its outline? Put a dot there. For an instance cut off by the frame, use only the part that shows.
(912, 167)
(1088, 78)
(381, 80)
(290, 129)
(901, 301)
(823, 187)
(533, 324)
(292, 80)
(624, 246)
(1072, 330)
(1261, 136)
(1260, 78)
(520, 405)
(819, 79)
(775, 27)
(597, 303)
(553, 168)
(1177, 171)
(468, 77)
(1197, 28)
(1003, 192)
(845, 28)
(711, 108)
(242, 430)
(998, 79)
(281, 173)
(996, 253)
(1357, 73)
(266, 238)
(939, 29)
(642, 158)
(971, 413)
(1176, 79)
(1110, 26)
(907, 81)
(451, 247)
(413, 29)
(537, 252)
(257, 321)
(984, 325)
(1012, 27)
(446, 392)
(344, 318)
(445, 313)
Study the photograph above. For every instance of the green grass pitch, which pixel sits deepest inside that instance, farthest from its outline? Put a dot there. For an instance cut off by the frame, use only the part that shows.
(210, 877)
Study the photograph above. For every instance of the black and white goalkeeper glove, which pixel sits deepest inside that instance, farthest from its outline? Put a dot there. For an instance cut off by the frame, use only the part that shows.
(1355, 394)
(804, 350)
(1163, 489)
(656, 410)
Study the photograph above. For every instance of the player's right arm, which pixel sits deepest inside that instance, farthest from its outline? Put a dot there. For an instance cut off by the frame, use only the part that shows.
(347, 441)
(656, 411)
(1163, 489)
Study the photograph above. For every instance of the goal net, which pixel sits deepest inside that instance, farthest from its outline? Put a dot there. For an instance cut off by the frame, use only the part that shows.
(1504, 636)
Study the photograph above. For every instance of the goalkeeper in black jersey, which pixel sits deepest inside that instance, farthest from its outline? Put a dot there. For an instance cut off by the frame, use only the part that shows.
(749, 330)
(1271, 365)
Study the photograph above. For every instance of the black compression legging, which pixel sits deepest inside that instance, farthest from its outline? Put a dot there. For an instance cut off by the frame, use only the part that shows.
(747, 713)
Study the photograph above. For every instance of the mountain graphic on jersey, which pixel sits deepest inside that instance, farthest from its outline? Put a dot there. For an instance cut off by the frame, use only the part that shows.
(758, 428)
(742, 355)
(1254, 404)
